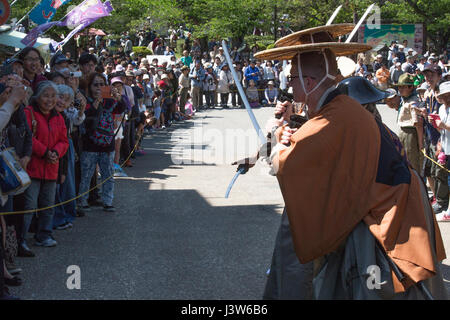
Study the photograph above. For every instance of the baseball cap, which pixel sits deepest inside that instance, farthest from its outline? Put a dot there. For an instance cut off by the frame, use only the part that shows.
(119, 68)
(161, 83)
(115, 80)
(164, 76)
(129, 73)
(423, 87)
(146, 77)
(392, 93)
(433, 68)
(58, 58)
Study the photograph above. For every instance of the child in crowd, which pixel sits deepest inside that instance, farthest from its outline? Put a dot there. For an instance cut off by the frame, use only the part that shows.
(157, 110)
(252, 94)
(190, 112)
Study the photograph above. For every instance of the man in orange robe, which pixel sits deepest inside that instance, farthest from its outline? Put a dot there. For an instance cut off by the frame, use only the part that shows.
(345, 184)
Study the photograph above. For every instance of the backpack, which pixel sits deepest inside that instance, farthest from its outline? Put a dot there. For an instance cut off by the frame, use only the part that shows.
(103, 134)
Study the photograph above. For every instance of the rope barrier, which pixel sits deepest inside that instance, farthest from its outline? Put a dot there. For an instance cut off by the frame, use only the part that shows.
(77, 197)
(436, 163)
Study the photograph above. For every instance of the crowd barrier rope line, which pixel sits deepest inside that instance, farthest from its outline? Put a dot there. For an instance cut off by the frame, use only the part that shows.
(75, 198)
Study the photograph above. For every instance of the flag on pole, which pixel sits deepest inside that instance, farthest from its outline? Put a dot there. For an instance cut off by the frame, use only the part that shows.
(45, 10)
(80, 17)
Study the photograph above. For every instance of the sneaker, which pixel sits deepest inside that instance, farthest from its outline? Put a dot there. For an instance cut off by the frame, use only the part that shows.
(443, 217)
(49, 242)
(109, 209)
(12, 268)
(24, 251)
(64, 226)
(437, 208)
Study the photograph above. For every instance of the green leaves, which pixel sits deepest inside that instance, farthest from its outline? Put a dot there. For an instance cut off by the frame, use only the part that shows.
(221, 19)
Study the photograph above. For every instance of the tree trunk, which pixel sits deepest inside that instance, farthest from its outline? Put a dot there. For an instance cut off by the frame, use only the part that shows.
(425, 38)
(275, 23)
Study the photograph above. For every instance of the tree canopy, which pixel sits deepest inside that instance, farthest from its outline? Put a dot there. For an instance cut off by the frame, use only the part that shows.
(221, 19)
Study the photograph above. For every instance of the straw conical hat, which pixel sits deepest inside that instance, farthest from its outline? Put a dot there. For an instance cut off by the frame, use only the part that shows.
(304, 36)
(289, 52)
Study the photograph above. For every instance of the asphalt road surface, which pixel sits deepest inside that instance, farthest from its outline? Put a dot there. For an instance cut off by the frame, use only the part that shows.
(174, 235)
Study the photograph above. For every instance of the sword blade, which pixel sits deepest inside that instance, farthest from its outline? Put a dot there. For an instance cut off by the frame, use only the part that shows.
(232, 182)
(335, 13)
(360, 22)
(259, 132)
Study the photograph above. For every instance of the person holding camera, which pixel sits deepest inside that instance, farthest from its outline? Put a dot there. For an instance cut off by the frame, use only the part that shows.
(99, 140)
(12, 95)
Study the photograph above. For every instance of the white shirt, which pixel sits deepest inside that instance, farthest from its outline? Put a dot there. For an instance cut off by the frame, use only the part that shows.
(444, 114)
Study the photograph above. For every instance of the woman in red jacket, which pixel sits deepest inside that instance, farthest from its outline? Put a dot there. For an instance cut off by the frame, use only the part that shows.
(50, 143)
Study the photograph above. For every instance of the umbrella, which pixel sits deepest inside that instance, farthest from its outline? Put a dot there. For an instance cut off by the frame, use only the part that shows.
(92, 32)
(96, 32)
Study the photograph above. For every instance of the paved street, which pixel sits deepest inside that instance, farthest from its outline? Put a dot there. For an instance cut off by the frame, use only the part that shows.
(174, 235)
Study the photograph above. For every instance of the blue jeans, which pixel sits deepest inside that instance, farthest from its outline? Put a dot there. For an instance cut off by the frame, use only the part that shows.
(66, 191)
(88, 162)
(40, 192)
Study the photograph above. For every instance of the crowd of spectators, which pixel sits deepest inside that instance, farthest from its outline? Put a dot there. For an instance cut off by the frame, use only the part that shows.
(419, 91)
(78, 121)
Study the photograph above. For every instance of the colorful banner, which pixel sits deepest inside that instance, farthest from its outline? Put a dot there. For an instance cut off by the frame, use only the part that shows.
(45, 11)
(80, 17)
(387, 33)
